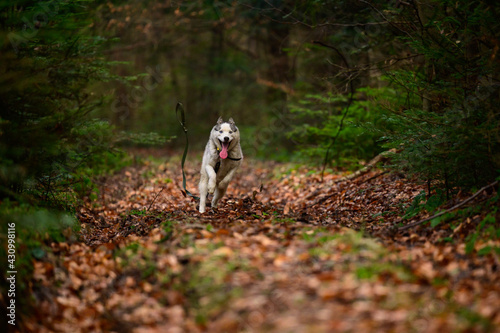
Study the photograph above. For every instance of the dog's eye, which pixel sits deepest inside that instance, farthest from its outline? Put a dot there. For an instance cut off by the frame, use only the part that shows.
(230, 132)
(220, 131)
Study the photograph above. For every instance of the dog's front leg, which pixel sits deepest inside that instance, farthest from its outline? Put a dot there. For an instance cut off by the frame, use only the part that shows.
(203, 192)
(212, 176)
(220, 190)
(222, 187)
(224, 183)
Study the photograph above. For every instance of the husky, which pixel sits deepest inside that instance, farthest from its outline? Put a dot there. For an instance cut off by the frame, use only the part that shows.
(221, 159)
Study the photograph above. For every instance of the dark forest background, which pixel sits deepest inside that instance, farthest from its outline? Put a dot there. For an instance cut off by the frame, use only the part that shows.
(327, 83)
(330, 82)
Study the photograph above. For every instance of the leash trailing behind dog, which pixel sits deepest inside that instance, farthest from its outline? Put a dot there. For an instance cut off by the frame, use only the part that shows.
(180, 109)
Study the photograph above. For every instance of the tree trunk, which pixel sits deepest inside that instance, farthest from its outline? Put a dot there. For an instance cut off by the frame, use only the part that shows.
(279, 71)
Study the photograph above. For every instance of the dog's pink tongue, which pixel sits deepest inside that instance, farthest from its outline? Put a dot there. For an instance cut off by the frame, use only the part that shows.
(223, 153)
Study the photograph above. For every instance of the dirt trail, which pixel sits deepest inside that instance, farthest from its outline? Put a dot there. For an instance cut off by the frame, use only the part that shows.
(283, 253)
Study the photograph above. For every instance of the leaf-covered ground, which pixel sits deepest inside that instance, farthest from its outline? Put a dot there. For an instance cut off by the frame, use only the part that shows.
(284, 252)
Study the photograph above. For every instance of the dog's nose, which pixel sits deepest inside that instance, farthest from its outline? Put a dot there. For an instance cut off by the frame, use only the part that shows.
(226, 139)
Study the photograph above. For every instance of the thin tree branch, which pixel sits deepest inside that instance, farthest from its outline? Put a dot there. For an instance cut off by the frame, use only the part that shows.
(414, 224)
(349, 103)
(385, 18)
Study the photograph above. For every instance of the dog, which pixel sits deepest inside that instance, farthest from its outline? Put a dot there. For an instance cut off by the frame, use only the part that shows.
(221, 159)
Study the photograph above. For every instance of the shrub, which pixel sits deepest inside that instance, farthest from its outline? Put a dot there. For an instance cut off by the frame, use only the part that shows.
(320, 118)
(447, 123)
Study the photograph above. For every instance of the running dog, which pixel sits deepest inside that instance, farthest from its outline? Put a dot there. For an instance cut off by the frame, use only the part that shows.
(221, 159)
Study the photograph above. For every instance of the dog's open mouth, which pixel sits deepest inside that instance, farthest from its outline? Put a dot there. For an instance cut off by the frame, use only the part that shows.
(223, 152)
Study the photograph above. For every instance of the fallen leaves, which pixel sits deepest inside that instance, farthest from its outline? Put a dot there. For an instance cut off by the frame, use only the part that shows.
(281, 253)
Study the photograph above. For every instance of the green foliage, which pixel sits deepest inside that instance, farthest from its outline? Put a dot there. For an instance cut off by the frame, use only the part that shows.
(468, 220)
(47, 138)
(487, 229)
(434, 98)
(421, 202)
(147, 139)
(447, 125)
(35, 228)
(374, 270)
(320, 117)
(51, 146)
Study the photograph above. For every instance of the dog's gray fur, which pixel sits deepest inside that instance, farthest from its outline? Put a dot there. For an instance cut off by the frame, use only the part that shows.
(217, 183)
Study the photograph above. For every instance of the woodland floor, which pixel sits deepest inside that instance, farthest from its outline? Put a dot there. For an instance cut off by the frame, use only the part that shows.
(284, 252)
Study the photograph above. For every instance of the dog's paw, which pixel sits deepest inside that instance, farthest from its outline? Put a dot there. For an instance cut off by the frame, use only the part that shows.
(211, 187)
(202, 210)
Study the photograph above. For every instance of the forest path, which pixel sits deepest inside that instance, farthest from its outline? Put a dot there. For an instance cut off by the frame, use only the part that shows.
(281, 254)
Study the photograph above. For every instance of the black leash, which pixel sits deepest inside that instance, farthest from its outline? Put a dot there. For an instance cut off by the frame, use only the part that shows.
(182, 121)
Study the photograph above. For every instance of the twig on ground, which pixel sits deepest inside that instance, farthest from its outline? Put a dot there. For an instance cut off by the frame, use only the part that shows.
(156, 196)
(414, 224)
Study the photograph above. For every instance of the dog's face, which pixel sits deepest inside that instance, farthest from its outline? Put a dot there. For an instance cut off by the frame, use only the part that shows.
(225, 135)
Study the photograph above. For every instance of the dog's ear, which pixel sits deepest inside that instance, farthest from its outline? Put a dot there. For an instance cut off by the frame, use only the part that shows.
(232, 124)
(220, 121)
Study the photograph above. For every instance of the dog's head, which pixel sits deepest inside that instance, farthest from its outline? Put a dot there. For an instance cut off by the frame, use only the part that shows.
(226, 136)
